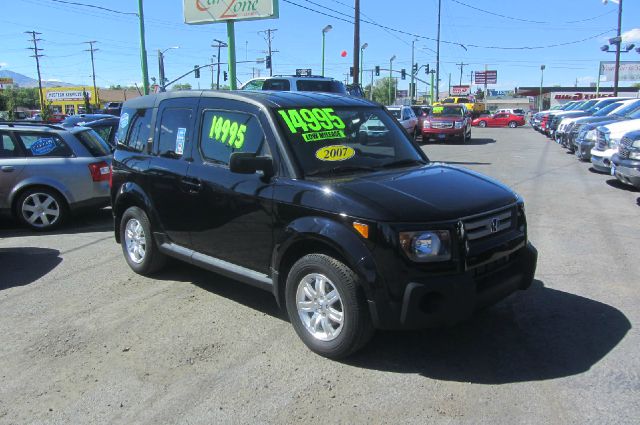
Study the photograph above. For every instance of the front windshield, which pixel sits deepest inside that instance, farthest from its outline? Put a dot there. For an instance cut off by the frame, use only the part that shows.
(574, 106)
(330, 141)
(629, 109)
(605, 111)
(395, 113)
(447, 111)
(588, 104)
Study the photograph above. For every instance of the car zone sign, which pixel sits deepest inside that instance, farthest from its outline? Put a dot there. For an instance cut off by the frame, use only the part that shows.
(209, 11)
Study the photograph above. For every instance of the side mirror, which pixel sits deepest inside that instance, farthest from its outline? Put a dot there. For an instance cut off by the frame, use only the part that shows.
(249, 163)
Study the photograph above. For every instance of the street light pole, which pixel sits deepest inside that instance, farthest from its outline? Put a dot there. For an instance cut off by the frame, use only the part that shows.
(438, 54)
(618, 45)
(325, 30)
(143, 50)
(161, 75)
(391, 75)
(540, 103)
(413, 45)
(364, 46)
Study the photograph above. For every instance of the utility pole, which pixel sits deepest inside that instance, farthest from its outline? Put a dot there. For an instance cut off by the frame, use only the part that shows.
(143, 50)
(212, 71)
(461, 65)
(413, 60)
(93, 72)
(356, 43)
(618, 45)
(438, 54)
(268, 37)
(37, 55)
(219, 45)
(449, 84)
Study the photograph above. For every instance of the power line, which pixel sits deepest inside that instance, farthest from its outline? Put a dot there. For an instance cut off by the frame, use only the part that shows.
(527, 20)
(268, 39)
(453, 42)
(73, 3)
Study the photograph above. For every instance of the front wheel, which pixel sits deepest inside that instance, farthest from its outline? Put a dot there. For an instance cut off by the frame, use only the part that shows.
(513, 124)
(139, 248)
(482, 124)
(41, 209)
(325, 308)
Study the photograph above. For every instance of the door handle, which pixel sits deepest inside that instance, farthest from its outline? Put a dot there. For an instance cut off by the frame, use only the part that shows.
(8, 168)
(192, 185)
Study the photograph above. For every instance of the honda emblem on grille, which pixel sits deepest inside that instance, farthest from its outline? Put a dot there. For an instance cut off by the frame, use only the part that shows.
(494, 225)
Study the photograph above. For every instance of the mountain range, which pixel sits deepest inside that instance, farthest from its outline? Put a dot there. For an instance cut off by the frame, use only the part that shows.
(21, 80)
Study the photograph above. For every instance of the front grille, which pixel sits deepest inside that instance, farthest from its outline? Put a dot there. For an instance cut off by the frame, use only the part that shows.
(601, 143)
(576, 129)
(625, 147)
(441, 125)
(490, 224)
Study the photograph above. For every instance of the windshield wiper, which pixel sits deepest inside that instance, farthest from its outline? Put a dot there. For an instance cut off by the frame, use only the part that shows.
(340, 169)
(403, 163)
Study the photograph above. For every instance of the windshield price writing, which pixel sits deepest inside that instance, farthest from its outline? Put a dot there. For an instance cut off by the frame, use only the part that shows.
(314, 124)
(227, 131)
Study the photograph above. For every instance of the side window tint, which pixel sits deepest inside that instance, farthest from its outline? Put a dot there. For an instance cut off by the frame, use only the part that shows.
(254, 85)
(174, 126)
(282, 85)
(8, 149)
(45, 145)
(225, 132)
(138, 125)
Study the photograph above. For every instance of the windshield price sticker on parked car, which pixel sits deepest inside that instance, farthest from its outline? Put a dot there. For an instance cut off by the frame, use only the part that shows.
(438, 109)
(314, 124)
(335, 153)
(227, 131)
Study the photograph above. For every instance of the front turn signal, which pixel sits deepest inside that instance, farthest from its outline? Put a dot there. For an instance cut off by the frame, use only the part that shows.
(362, 228)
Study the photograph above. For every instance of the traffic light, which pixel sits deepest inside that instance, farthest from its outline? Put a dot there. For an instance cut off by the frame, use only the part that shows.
(350, 71)
(224, 74)
(415, 68)
(377, 70)
(426, 70)
(196, 71)
(268, 62)
(403, 74)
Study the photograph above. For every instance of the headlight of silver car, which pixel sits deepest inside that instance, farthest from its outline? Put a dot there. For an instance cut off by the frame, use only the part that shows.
(426, 246)
(591, 136)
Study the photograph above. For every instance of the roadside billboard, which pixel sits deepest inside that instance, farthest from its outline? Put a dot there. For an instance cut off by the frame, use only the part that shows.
(629, 71)
(211, 11)
(486, 77)
(460, 90)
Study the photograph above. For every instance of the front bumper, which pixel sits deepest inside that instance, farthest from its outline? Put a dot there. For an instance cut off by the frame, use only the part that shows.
(601, 160)
(442, 133)
(626, 171)
(446, 300)
(583, 148)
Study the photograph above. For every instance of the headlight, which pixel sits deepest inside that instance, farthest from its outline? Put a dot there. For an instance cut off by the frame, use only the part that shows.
(591, 136)
(427, 246)
(613, 143)
(458, 124)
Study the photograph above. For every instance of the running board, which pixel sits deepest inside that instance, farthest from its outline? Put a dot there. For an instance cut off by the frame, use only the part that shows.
(216, 265)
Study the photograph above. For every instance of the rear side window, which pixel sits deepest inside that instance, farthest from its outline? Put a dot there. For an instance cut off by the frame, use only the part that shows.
(93, 143)
(320, 85)
(104, 131)
(225, 132)
(8, 149)
(49, 145)
(281, 85)
(134, 129)
(173, 135)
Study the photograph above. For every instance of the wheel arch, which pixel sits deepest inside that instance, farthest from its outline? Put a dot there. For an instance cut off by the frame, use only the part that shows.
(324, 236)
(17, 193)
(131, 195)
(40, 181)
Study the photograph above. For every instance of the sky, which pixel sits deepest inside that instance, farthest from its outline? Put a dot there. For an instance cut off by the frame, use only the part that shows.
(476, 25)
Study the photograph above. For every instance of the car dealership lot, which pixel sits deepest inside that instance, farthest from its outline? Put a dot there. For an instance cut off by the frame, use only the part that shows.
(85, 340)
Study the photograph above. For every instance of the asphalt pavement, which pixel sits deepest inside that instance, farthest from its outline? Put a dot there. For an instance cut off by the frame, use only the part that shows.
(84, 340)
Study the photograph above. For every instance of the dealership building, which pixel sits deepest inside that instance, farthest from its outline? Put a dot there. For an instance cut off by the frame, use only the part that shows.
(69, 100)
(554, 96)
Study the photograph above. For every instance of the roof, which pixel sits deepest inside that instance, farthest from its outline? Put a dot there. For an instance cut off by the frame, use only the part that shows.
(266, 98)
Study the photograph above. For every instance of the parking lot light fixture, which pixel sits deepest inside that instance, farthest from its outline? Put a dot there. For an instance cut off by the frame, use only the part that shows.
(541, 83)
(617, 41)
(364, 46)
(324, 31)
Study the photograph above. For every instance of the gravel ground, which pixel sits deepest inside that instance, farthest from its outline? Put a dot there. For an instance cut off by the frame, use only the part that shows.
(84, 340)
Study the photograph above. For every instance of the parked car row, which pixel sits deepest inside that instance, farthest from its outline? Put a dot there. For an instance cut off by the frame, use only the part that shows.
(604, 131)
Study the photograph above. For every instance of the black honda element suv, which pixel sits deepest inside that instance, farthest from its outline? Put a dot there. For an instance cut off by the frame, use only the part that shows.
(323, 200)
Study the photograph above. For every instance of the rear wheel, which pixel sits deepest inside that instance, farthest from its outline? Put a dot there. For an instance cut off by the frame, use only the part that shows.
(139, 248)
(41, 209)
(325, 308)
(482, 124)
(513, 124)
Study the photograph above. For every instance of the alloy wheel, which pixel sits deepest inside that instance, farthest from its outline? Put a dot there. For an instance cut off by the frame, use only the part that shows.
(40, 210)
(320, 307)
(135, 241)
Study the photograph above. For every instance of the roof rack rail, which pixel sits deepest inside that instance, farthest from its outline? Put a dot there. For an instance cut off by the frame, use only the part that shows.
(302, 76)
(31, 124)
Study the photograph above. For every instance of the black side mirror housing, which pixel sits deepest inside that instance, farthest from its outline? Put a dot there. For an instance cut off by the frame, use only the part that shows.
(249, 163)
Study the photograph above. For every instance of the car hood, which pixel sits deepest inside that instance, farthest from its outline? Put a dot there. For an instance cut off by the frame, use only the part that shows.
(595, 120)
(619, 128)
(434, 192)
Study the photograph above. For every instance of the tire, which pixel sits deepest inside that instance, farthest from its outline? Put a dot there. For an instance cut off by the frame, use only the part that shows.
(482, 124)
(513, 124)
(415, 134)
(138, 246)
(332, 326)
(41, 209)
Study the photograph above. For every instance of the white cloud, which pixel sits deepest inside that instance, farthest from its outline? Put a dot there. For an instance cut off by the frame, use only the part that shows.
(3, 64)
(631, 35)
(53, 80)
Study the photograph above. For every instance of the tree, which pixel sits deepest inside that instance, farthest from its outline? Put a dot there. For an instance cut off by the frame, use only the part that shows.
(185, 86)
(381, 90)
(479, 94)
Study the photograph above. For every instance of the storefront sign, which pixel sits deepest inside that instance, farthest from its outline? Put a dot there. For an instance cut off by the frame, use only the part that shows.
(580, 96)
(209, 11)
(629, 71)
(486, 77)
(66, 95)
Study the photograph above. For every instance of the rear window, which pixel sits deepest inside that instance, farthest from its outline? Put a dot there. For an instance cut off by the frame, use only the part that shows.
(321, 86)
(93, 143)
(280, 85)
